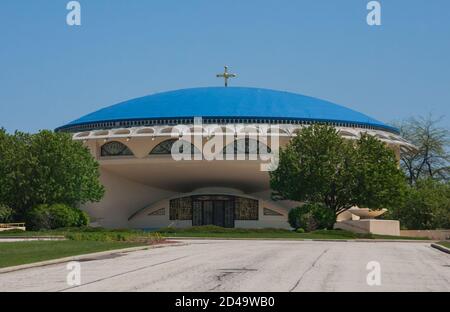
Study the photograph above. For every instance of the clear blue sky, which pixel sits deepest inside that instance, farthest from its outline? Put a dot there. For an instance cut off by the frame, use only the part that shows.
(51, 73)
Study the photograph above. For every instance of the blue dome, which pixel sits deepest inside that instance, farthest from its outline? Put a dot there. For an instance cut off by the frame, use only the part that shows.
(228, 103)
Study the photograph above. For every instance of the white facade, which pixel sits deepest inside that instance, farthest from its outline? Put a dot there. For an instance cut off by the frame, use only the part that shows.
(140, 186)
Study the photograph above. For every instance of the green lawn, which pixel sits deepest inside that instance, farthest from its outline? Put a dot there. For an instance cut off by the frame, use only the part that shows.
(216, 232)
(16, 253)
(291, 235)
(202, 232)
(445, 244)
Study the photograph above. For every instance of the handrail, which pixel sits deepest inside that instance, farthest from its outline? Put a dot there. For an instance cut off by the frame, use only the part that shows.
(12, 225)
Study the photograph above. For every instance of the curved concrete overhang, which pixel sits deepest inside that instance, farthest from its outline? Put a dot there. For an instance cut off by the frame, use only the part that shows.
(285, 130)
(163, 172)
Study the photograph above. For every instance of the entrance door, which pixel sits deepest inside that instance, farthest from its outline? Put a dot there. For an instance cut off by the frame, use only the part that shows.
(208, 212)
(197, 213)
(229, 213)
(213, 210)
(219, 213)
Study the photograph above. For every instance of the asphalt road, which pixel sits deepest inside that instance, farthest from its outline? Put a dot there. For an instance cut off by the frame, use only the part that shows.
(253, 265)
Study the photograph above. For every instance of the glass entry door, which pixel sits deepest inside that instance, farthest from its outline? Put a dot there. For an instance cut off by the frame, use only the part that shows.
(216, 210)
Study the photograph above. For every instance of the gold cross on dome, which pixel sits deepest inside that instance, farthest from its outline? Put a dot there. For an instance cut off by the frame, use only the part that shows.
(226, 76)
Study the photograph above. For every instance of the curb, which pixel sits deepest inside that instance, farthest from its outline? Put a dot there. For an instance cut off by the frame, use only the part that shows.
(362, 240)
(85, 256)
(441, 248)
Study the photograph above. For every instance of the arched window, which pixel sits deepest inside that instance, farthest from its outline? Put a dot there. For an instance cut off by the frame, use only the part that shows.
(247, 146)
(115, 148)
(165, 147)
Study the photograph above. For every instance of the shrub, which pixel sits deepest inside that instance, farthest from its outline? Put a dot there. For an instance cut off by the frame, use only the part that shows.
(38, 218)
(5, 213)
(62, 216)
(300, 230)
(324, 217)
(311, 217)
(121, 236)
(82, 218)
(218, 229)
(301, 217)
(47, 217)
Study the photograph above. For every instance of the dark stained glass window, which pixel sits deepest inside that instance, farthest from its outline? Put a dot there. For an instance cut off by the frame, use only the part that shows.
(165, 147)
(270, 212)
(115, 148)
(213, 206)
(246, 209)
(181, 209)
(247, 146)
(158, 212)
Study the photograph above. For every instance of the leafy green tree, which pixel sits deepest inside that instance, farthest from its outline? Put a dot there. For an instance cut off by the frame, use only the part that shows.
(46, 168)
(427, 167)
(5, 213)
(314, 167)
(65, 171)
(426, 206)
(320, 166)
(16, 165)
(379, 182)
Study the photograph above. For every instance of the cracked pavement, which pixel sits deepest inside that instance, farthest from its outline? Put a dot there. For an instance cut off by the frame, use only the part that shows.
(250, 265)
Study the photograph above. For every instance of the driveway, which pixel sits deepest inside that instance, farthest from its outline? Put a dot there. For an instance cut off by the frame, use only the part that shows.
(250, 265)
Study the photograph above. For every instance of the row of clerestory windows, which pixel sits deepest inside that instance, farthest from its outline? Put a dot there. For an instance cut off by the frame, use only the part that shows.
(242, 146)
